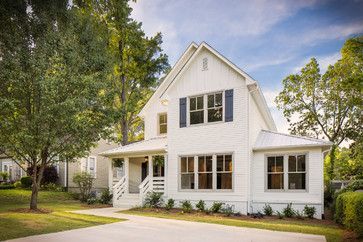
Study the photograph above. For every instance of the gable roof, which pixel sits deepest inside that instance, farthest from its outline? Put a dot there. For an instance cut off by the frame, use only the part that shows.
(269, 140)
(140, 147)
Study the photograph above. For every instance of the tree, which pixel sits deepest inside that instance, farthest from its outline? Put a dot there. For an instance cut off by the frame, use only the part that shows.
(328, 105)
(55, 96)
(137, 59)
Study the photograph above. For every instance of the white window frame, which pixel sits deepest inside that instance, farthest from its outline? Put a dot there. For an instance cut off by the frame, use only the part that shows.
(296, 171)
(214, 172)
(286, 173)
(159, 133)
(187, 172)
(224, 169)
(196, 110)
(87, 165)
(276, 172)
(205, 172)
(215, 107)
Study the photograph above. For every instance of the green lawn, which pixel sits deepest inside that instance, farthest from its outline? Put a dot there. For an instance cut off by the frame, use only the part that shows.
(332, 232)
(15, 223)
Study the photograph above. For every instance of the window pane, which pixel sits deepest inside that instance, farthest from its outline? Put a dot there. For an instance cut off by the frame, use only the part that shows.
(192, 104)
(163, 129)
(187, 181)
(200, 102)
(224, 181)
(275, 181)
(190, 164)
(201, 163)
(210, 101)
(301, 163)
(215, 114)
(292, 163)
(279, 164)
(297, 181)
(219, 162)
(228, 163)
(271, 164)
(205, 180)
(209, 163)
(183, 164)
(218, 101)
(197, 117)
(162, 118)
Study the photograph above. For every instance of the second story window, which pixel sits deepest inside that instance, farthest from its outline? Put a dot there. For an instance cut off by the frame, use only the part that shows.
(215, 107)
(163, 123)
(196, 108)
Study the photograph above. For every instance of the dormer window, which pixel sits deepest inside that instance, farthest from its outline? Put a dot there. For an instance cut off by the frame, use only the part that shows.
(163, 123)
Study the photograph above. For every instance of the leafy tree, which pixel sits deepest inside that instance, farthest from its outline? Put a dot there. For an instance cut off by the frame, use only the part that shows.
(55, 98)
(138, 62)
(328, 105)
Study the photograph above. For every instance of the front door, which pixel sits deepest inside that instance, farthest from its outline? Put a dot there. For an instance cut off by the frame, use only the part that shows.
(144, 170)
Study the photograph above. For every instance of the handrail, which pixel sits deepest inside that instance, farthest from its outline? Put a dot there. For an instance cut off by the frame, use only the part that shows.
(119, 188)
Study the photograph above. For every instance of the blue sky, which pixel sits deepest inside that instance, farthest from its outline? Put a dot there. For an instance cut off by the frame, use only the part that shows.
(268, 39)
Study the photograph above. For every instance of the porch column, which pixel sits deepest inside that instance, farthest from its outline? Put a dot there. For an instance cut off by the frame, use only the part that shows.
(110, 174)
(126, 167)
(150, 164)
(165, 174)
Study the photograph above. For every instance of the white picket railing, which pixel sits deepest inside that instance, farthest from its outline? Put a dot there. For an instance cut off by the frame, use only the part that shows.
(158, 184)
(120, 188)
(155, 184)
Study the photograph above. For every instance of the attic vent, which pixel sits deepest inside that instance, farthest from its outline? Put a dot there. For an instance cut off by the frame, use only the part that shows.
(205, 64)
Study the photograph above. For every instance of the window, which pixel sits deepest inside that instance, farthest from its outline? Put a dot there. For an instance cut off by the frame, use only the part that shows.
(187, 172)
(224, 171)
(205, 172)
(212, 172)
(163, 123)
(297, 172)
(215, 107)
(275, 172)
(205, 64)
(89, 165)
(196, 107)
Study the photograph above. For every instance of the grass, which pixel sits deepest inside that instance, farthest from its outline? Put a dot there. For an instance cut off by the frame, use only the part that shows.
(15, 222)
(332, 232)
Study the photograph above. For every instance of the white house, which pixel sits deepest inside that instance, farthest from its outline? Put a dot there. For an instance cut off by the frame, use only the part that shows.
(210, 123)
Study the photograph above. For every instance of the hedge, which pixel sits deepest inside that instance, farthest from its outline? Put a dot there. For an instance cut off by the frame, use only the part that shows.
(349, 211)
(6, 186)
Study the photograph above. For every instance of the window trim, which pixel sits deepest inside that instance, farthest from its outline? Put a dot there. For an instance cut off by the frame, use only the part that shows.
(214, 108)
(205, 108)
(87, 160)
(158, 121)
(214, 172)
(196, 110)
(285, 156)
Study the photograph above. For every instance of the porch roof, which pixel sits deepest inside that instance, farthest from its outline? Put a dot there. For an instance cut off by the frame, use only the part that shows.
(153, 145)
(270, 140)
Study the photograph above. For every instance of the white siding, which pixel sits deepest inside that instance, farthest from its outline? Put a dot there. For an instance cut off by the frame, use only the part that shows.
(278, 200)
(151, 119)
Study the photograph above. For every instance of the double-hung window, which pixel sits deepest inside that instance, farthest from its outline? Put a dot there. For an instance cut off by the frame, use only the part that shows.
(215, 107)
(275, 172)
(196, 107)
(205, 172)
(187, 172)
(89, 165)
(297, 172)
(163, 123)
(224, 171)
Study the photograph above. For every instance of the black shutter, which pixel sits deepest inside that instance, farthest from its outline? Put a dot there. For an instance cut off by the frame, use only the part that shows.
(228, 115)
(183, 112)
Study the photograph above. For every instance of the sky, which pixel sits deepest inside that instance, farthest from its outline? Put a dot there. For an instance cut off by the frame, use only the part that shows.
(268, 39)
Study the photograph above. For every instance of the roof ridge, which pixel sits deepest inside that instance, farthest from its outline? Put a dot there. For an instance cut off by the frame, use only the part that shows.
(296, 136)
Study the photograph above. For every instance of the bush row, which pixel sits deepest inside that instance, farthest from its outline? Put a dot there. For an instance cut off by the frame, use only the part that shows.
(349, 211)
(289, 212)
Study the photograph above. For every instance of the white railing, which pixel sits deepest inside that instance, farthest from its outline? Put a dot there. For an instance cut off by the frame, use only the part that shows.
(144, 188)
(155, 184)
(158, 184)
(120, 188)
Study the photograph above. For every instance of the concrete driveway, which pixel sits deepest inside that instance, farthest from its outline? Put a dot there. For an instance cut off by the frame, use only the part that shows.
(146, 229)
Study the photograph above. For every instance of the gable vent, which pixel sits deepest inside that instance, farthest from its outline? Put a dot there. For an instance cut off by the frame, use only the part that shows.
(205, 64)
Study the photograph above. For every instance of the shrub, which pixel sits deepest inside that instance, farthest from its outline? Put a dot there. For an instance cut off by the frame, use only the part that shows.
(26, 182)
(17, 184)
(309, 211)
(267, 210)
(299, 215)
(106, 197)
(200, 205)
(153, 200)
(186, 206)
(52, 187)
(216, 207)
(84, 182)
(6, 186)
(228, 210)
(170, 204)
(288, 211)
(4, 176)
(349, 211)
(280, 215)
(50, 174)
(92, 200)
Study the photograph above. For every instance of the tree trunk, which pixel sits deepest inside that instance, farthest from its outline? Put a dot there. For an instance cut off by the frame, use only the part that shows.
(332, 161)
(124, 125)
(34, 196)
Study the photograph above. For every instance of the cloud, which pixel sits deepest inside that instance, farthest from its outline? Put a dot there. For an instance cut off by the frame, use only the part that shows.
(324, 62)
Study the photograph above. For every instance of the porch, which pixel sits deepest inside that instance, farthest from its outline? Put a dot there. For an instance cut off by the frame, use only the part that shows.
(137, 169)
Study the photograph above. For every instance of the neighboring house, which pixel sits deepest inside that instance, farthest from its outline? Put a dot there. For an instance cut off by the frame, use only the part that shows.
(98, 166)
(9, 166)
(210, 123)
